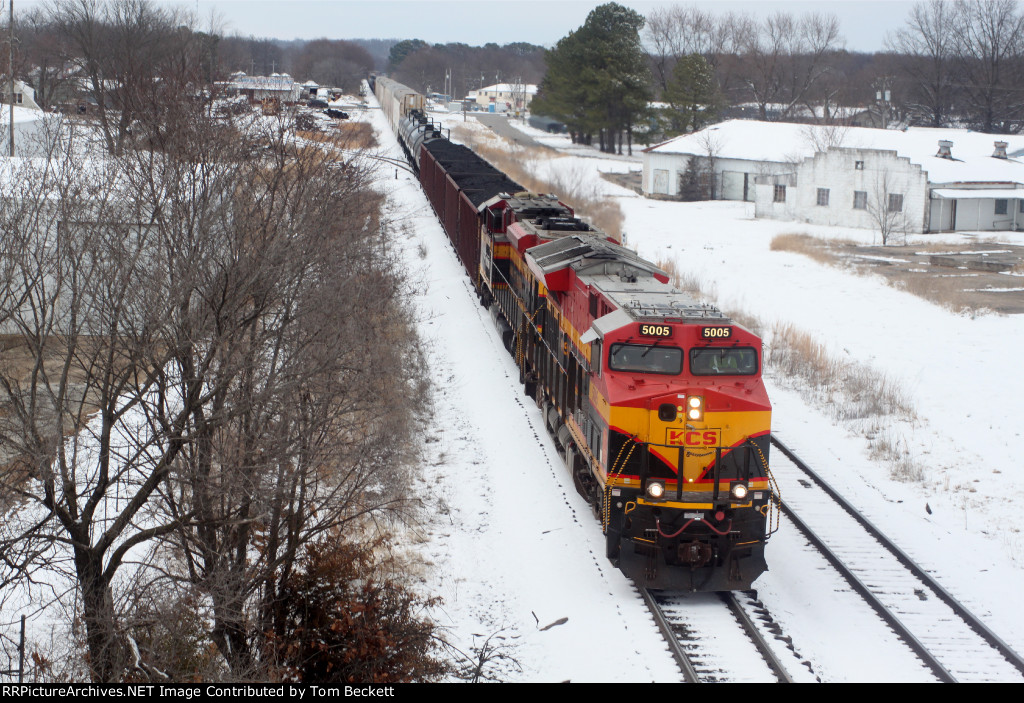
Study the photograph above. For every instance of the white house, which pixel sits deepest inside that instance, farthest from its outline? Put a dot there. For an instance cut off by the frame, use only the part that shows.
(931, 179)
(513, 96)
(24, 95)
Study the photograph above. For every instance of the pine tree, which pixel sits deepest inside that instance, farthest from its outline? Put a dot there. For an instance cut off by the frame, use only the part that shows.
(690, 181)
(693, 94)
(598, 80)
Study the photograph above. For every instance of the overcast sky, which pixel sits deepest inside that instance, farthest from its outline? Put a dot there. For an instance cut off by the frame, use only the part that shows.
(864, 24)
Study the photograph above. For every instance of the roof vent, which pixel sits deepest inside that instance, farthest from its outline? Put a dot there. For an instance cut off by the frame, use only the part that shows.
(945, 147)
(1000, 152)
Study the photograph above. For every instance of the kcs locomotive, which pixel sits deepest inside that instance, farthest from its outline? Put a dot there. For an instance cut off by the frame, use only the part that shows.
(655, 399)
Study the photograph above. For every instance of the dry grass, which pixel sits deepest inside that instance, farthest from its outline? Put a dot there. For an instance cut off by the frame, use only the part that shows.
(675, 278)
(945, 290)
(850, 391)
(796, 353)
(885, 446)
(821, 250)
(521, 165)
(345, 135)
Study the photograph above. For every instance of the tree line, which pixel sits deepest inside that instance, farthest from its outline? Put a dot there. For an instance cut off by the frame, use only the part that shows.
(61, 44)
(952, 63)
(460, 68)
(209, 385)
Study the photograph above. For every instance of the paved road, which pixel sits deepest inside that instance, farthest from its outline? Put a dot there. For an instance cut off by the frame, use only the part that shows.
(501, 126)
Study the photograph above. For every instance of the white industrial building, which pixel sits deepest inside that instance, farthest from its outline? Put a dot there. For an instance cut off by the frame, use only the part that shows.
(278, 86)
(933, 179)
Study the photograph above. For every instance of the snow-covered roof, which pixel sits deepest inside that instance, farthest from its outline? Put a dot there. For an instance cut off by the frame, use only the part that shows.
(528, 88)
(22, 115)
(783, 142)
(275, 82)
(977, 194)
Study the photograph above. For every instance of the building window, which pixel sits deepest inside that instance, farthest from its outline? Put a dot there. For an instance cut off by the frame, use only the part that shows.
(860, 200)
(780, 194)
(895, 202)
(1021, 207)
(859, 165)
(1001, 206)
(823, 197)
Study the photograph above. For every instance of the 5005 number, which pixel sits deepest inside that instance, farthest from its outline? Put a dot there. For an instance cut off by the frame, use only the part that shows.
(656, 330)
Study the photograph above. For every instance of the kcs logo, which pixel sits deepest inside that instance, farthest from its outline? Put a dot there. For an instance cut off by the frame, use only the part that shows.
(692, 438)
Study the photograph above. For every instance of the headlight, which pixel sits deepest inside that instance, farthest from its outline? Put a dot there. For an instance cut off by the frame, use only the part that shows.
(695, 407)
(738, 491)
(655, 489)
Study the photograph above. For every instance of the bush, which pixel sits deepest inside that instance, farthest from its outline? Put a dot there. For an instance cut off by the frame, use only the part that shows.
(336, 622)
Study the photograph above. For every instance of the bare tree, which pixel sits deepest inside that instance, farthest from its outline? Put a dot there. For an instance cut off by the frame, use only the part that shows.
(677, 31)
(205, 361)
(125, 50)
(332, 62)
(989, 41)
(928, 45)
(785, 57)
(886, 206)
(709, 174)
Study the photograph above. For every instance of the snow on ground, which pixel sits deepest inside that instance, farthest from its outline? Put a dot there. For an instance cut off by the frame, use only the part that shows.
(959, 372)
(515, 552)
(514, 548)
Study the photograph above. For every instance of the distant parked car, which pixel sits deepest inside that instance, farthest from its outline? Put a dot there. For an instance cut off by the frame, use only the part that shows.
(319, 104)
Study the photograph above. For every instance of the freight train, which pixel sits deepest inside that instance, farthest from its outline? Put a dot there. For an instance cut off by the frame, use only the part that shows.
(655, 399)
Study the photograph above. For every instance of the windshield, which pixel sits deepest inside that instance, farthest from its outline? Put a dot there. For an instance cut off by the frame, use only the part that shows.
(645, 358)
(721, 361)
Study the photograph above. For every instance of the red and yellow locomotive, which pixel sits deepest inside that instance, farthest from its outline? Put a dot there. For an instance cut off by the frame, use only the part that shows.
(656, 400)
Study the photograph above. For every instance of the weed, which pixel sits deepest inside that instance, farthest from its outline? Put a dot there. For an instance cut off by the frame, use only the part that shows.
(811, 247)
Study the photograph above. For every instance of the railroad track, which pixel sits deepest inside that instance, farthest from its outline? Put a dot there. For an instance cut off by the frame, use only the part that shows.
(713, 638)
(953, 642)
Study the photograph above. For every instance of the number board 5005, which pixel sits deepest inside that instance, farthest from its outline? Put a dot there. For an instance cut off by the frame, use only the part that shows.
(716, 332)
(656, 330)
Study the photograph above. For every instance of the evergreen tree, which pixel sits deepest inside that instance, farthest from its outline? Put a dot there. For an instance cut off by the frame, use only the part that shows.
(692, 92)
(598, 78)
(402, 49)
(690, 188)
(560, 94)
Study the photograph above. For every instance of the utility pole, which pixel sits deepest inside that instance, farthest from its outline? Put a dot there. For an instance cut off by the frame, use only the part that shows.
(883, 98)
(10, 66)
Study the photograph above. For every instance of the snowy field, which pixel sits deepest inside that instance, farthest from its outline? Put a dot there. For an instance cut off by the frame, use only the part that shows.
(514, 548)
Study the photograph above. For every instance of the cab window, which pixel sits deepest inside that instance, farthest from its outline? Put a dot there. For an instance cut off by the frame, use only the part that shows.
(645, 358)
(722, 361)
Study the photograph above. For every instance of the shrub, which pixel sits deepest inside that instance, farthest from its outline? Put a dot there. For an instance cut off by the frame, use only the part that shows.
(336, 621)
